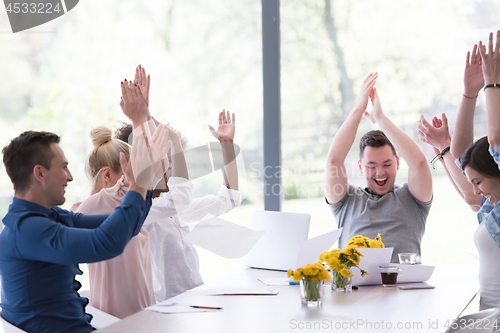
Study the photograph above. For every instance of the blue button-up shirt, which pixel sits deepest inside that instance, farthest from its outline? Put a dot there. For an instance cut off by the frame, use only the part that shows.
(489, 213)
(40, 250)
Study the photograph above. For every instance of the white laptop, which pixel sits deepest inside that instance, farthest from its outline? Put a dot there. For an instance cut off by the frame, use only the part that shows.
(285, 246)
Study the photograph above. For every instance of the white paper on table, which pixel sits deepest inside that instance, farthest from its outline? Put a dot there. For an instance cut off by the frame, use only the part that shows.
(275, 281)
(239, 292)
(176, 308)
(311, 249)
(415, 273)
(224, 238)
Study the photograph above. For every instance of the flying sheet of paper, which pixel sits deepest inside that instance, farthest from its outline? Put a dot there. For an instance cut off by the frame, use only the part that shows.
(177, 308)
(224, 238)
(311, 249)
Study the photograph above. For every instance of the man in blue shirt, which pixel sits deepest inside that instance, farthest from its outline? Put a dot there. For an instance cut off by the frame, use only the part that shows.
(42, 244)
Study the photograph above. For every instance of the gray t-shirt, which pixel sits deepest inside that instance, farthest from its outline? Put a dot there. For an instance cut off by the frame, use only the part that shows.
(398, 216)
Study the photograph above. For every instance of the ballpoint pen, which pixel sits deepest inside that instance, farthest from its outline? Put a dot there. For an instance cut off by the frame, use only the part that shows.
(205, 307)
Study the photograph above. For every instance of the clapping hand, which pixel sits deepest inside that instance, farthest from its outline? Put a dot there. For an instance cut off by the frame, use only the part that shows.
(142, 81)
(377, 112)
(437, 135)
(473, 75)
(366, 88)
(491, 60)
(226, 129)
(133, 104)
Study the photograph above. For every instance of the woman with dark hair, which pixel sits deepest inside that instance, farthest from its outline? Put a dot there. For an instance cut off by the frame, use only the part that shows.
(481, 163)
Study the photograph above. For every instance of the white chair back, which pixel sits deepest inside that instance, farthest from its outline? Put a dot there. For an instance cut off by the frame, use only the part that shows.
(100, 318)
(482, 321)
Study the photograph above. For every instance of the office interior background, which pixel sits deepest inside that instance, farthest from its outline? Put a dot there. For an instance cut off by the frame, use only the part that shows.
(205, 56)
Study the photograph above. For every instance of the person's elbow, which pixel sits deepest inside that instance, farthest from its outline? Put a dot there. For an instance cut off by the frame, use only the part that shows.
(473, 201)
(113, 245)
(494, 139)
(334, 162)
(422, 164)
(116, 247)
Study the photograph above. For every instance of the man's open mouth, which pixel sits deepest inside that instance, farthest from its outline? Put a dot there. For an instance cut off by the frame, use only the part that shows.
(381, 181)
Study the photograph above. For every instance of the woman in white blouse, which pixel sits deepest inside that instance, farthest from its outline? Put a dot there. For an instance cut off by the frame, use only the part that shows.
(175, 262)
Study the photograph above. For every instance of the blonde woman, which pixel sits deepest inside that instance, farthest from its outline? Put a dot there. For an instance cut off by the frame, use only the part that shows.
(123, 285)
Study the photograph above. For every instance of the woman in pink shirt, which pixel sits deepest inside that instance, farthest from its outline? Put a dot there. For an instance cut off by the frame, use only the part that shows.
(123, 285)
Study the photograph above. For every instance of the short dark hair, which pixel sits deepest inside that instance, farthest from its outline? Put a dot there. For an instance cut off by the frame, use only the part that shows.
(24, 152)
(375, 139)
(123, 133)
(477, 157)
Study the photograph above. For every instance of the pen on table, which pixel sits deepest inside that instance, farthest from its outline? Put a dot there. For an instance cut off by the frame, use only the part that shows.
(206, 307)
(291, 283)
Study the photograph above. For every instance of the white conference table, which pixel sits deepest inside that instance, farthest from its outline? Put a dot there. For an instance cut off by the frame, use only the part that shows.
(368, 309)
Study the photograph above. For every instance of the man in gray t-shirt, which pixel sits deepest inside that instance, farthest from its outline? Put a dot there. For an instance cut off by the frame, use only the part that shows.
(397, 213)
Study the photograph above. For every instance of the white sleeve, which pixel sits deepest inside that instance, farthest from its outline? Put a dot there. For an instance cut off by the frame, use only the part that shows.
(176, 200)
(223, 202)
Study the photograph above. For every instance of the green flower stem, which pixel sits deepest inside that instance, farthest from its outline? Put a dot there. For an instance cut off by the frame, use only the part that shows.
(338, 279)
(312, 289)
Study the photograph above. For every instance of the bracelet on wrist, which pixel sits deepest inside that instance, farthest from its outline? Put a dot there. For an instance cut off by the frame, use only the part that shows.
(470, 97)
(444, 151)
(493, 85)
(439, 156)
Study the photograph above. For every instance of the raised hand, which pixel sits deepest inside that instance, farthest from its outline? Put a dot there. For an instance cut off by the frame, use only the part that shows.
(473, 75)
(142, 82)
(437, 135)
(225, 131)
(366, 88)
(491, 60)
(134, 106)
(377, 112)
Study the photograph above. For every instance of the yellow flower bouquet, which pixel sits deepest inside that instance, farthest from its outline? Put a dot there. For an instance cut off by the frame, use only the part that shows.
(340, 262)
(311, 278)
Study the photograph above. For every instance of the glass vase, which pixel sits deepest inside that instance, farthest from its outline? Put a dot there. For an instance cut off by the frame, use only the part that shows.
(340, 282)
(311, 292)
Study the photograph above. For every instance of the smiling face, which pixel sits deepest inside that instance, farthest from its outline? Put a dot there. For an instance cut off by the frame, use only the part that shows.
(488, 187)
(56, 178)
(379, 165)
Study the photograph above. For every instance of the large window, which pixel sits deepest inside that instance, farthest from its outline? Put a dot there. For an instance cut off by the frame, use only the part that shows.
(418, 48)
(64, 76)
(205, 56)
